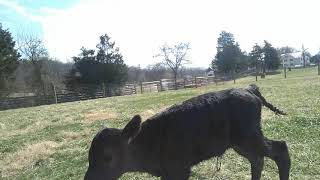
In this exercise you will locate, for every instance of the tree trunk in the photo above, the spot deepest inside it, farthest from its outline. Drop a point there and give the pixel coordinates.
(39, 84)
(233, 77)
(54, 93)
(285, 72)
(304, 60)
(104, 89)
(175, 81)
(256, 71)
(263, 75)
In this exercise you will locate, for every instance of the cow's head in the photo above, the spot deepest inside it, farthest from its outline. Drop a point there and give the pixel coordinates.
(108, 154)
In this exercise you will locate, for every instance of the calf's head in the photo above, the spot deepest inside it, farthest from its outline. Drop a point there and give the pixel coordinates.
(108, 154)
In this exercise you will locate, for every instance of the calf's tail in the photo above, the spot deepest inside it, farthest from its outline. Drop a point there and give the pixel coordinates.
(255, 90)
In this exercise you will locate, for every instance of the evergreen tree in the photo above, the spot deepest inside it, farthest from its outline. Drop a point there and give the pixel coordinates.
(271, 57)
(9, 59)
(105, 65)
(229, 58)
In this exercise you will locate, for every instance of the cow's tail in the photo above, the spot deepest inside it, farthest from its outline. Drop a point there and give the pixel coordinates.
(255, 90)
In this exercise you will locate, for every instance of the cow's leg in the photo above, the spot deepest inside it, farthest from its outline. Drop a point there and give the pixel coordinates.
(278, 151)
(256, 161)
(175, 174)
(255, 150)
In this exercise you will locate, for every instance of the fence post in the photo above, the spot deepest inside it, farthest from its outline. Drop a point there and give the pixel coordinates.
(285, 72)
(161, 85)
(135, 88)
(318, 66)
(55, 93)
(104, 89)
(141, 88)
(234, 77)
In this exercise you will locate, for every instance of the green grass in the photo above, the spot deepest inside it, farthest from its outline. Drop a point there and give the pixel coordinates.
(51, 142)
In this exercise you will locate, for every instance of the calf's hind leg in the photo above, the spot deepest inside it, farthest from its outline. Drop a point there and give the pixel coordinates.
(278, 151)
(255, 159)
(255, 152)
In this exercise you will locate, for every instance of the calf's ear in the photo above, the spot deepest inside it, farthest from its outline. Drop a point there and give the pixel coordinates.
(132, 129)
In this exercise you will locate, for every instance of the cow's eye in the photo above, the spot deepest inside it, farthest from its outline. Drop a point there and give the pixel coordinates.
(107, 158)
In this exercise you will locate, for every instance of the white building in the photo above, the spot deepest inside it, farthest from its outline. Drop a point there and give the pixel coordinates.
(293, 60)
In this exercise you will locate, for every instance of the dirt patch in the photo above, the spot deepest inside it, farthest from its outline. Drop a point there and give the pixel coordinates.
(29, 156)
(2, 126)
(69, 135)
(266, 114)
(150, 112)
(146, 114)
(95, 116)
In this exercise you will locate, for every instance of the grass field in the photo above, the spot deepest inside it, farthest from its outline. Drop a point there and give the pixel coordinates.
(51, 142)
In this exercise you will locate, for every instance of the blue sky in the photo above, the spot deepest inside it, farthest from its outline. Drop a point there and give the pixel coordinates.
(140, 27)
(13, 13)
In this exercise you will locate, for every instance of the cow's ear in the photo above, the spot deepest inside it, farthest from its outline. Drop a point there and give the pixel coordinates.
(132, 129)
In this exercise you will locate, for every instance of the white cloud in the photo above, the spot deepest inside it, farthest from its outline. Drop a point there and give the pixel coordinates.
(12, 4)
(140, 27)
(50, 11)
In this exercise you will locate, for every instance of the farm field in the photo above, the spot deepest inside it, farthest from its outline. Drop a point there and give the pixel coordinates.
(51, 142)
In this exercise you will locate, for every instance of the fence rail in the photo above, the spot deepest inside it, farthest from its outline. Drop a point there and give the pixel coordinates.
(21, 102)
(86, 92)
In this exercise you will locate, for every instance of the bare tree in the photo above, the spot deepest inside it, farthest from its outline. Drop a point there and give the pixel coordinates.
(157, 71)
(32, 49)
(135, 73)
(174, 57)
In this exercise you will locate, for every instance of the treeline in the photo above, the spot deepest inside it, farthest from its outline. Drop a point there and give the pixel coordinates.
(230, 60)
(26, 66)
(160, 71)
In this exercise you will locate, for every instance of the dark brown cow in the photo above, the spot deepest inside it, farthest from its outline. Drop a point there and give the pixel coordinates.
(168, 144)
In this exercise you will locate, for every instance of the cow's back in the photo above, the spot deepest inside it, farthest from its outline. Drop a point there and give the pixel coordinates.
(189, 132)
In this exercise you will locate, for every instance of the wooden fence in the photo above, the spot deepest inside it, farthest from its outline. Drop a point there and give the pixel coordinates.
(86, 92)
(27, 101)
(169, 84)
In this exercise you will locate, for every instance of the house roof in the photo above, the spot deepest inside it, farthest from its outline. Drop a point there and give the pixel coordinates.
(294, 55)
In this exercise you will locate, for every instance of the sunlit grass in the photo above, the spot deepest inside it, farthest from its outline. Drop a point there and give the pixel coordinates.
(57, 137)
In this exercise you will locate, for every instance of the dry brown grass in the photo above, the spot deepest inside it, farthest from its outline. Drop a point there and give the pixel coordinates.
(70, 135)
(27, 157)
(150, 112)
(147, 113)
(34, 127)
(267, 114)
(29, 129)
(102, 115)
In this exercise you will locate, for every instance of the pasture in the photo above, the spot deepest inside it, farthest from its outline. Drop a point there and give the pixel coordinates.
(51, 142)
